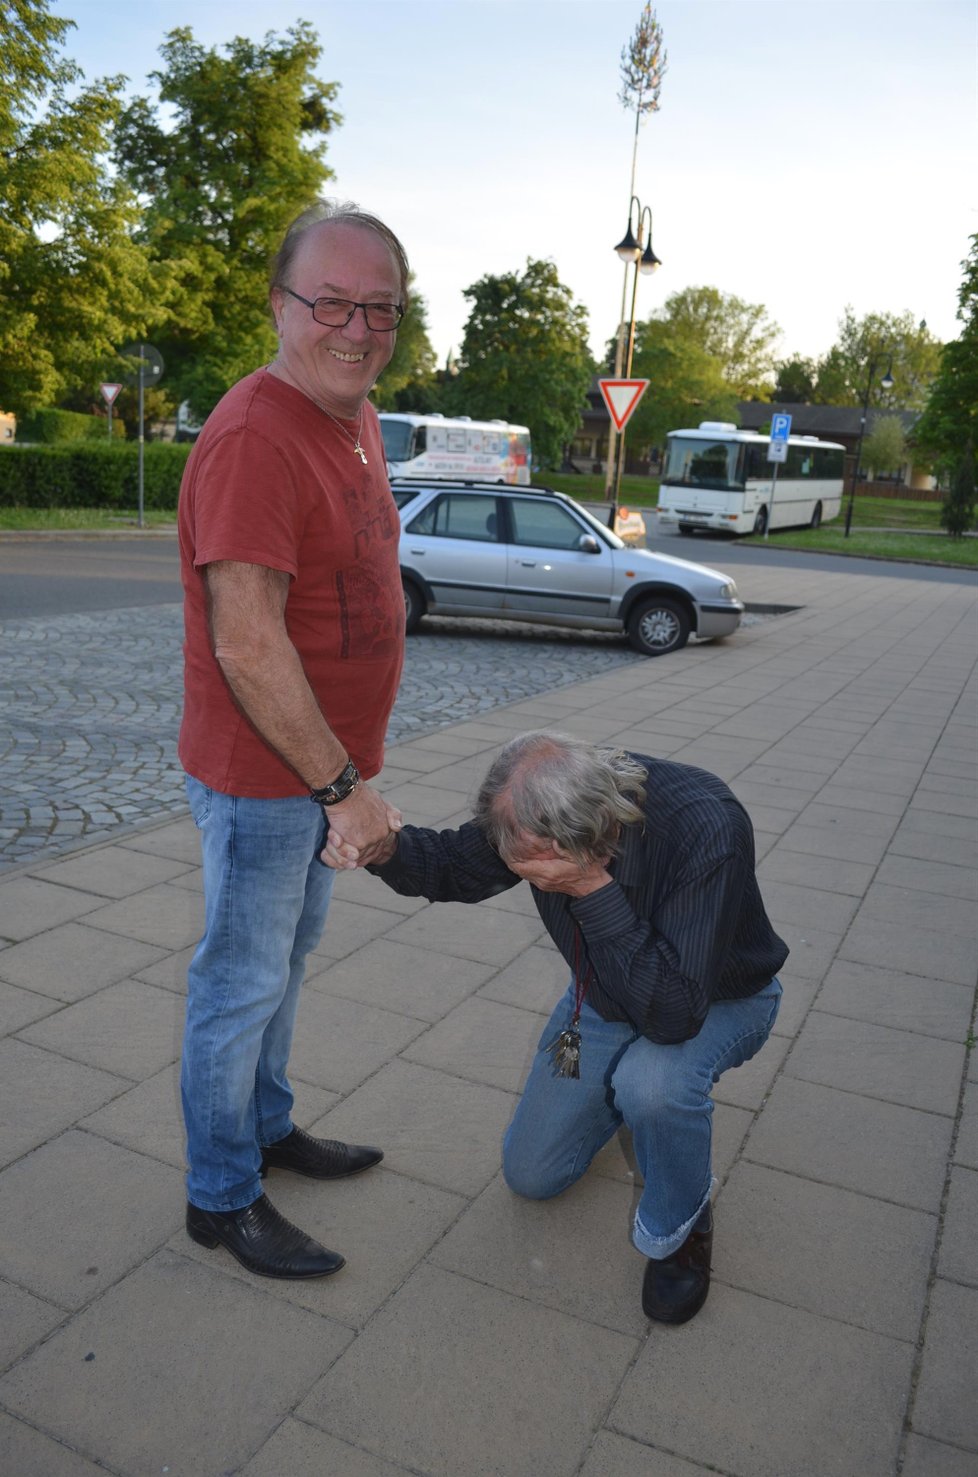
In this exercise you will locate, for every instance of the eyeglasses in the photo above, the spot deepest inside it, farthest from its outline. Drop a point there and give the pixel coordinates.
(336, 312)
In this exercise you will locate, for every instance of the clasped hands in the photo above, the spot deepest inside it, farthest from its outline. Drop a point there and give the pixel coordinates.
(362, 831)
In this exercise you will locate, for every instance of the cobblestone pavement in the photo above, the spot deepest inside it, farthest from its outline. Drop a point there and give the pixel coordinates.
(92, 709)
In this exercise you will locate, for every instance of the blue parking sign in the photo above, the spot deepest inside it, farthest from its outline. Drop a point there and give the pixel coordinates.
(780, 427)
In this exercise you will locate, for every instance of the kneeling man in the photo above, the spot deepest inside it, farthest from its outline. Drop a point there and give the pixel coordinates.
(643, 872)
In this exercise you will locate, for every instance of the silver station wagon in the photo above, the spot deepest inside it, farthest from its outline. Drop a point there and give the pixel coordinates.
(532, 554)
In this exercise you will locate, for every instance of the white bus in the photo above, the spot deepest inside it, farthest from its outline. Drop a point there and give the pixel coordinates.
(436, 446)
(719, 477)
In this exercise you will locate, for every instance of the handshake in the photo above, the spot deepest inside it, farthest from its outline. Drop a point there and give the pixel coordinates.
(362, 831)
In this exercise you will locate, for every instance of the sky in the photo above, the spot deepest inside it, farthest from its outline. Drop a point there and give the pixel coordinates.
(807, 154)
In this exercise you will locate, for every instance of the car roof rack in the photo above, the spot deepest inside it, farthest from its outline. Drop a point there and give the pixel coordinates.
(474, 482)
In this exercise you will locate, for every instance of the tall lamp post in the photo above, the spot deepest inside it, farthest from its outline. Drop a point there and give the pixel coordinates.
(886, 383)
(643, 259)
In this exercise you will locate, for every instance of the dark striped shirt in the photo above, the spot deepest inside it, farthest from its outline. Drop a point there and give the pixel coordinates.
(682, 923)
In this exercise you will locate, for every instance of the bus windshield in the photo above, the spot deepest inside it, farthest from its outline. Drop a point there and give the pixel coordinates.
(397, 440)
(697, 462)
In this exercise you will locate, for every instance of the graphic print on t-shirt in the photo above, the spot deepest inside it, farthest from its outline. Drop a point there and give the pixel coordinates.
(368, 611)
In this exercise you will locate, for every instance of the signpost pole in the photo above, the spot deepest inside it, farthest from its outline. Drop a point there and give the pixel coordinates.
(620, 397)
(142, 364)
(619, 468)
(109, 392)
(149, 366)
(774, 488)
(777, 452)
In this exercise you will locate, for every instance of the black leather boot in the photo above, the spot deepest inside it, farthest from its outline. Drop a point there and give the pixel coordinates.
(262, 1240)
(321, 1159)
(675, 1288)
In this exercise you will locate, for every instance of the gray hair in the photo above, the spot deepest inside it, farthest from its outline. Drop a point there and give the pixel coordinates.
(560, 789)
(337, 212)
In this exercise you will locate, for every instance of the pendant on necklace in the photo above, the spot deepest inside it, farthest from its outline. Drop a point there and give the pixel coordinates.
(359, 451)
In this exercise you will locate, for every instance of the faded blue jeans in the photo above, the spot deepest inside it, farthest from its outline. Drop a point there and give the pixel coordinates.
(661, 1093)
(266, 896)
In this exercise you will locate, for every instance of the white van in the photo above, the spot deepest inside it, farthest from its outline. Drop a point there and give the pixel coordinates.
(437, 446)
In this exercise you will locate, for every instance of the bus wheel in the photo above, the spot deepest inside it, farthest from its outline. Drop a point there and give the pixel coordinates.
(657, 626)
(413, 605)
(760, 522)
(816, 516)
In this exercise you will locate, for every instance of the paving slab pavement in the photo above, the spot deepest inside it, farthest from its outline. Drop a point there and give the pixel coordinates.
(472, 1333)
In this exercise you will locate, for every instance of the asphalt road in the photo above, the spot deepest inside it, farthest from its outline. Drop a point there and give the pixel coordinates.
(75, 575)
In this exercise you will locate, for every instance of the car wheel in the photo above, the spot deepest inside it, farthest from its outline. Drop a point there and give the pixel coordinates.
(760, 522)
(816, 516)
(658, 626)
(414, 606)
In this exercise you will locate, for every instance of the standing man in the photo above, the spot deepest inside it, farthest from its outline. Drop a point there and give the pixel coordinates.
(294, 622)
(643, 872)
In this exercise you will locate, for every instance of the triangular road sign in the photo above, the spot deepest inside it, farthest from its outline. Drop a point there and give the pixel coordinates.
(109, 392)
(621, 398)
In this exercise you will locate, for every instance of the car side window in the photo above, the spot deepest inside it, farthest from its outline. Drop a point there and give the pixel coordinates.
(455, 515)
(544, 525)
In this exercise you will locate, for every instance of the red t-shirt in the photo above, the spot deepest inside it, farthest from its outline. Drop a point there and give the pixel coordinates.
(273, 481)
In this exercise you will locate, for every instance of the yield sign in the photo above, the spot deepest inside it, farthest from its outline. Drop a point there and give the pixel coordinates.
(621, 398)
(109, 392)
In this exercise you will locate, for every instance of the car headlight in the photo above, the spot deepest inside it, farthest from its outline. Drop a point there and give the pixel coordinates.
(728, 591)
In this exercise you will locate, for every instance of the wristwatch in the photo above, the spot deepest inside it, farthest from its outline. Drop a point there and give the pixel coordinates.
(341, 788)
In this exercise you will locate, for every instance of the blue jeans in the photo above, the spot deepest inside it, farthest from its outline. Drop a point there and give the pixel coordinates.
(661, 1093)
(266, 896)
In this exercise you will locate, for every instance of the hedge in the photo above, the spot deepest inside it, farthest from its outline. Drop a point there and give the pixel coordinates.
(86, 475)
(55, 427)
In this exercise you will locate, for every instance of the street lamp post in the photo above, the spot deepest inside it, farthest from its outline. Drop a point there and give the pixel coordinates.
(631, 251)
(886, 383)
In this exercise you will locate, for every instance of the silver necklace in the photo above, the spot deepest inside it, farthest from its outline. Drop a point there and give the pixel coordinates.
(357, 448)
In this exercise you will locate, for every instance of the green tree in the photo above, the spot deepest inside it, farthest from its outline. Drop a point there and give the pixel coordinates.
(240, 155)
(948, 427)
(739, 335)
(73, 282)
(642, 68)
(885, 445)
(795, 380)
(686, 385)
(409, 379)
(525, 357)
(958, 508)
(879, 341)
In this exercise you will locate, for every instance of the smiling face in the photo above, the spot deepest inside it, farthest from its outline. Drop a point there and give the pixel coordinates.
(335, 366)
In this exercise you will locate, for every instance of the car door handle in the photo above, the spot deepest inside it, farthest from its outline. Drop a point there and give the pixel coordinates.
(418, 552)
(529, 563)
